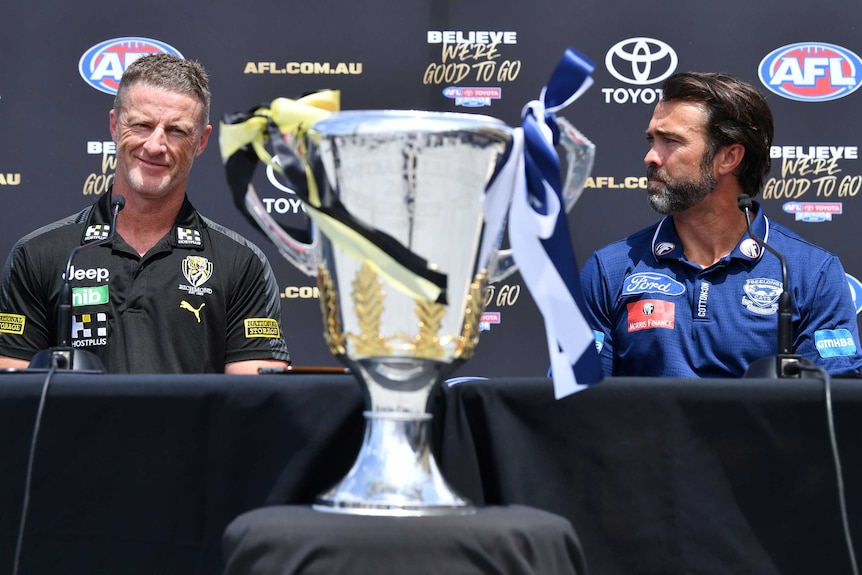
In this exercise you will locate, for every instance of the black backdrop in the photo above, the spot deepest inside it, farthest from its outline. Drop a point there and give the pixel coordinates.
(384, 54)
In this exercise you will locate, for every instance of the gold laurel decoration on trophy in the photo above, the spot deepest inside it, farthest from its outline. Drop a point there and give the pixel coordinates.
(466, 345)
(368, 297)
(329, 306)
(427, 342)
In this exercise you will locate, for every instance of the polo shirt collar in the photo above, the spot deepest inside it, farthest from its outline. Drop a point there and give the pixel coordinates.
(188, 228)
(666, 244)
(99, 220)
(186, 232)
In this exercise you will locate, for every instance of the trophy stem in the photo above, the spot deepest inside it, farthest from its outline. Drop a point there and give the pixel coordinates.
(395, 473)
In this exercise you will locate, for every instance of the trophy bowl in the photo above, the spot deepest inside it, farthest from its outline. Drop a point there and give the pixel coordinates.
(420, 179)
(408, 210)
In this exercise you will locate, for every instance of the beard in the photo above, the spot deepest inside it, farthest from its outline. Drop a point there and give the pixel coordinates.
(679, 195)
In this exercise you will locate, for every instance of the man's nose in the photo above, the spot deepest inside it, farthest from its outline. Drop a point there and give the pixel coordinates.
(652, 157)
(156, 141)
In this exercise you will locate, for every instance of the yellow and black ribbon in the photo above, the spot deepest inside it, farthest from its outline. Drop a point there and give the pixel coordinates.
(284, 125)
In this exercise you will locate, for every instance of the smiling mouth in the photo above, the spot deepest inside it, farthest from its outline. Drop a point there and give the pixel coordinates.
(151, 163)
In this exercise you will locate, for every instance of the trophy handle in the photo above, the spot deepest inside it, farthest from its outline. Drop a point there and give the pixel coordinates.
(580, 155)
(301, 254)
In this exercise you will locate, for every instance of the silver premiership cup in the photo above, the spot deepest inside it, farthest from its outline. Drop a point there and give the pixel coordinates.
(421, 178)
(431, 191)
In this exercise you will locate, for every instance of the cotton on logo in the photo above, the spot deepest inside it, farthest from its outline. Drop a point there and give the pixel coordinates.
(811, 71)
(102, 65)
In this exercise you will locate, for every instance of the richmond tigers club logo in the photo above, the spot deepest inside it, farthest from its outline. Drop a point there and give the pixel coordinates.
(197, 270)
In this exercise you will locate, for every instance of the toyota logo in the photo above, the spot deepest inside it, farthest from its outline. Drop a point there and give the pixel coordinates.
(273, 179)
(641, 61)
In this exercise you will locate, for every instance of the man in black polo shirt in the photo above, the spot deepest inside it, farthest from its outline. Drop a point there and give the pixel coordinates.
(173, 291)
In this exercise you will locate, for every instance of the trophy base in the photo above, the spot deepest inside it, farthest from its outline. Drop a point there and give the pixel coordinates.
(371, 509)
(395, 474)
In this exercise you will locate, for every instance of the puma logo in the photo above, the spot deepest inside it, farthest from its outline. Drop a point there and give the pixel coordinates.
(186, 305)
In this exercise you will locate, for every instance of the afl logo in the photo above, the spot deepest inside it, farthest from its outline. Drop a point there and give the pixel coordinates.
(641, 61)
(102, 65)
(750, 248)
(811, 71)
(663, 248)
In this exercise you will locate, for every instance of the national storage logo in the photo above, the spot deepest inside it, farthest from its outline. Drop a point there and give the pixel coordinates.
(811, 71)
(102, 65)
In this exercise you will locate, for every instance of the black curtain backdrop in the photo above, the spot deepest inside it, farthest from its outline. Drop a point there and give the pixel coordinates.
(141, 474)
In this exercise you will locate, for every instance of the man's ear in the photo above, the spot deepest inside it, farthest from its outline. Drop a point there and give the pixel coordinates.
(112, 124)
(202, 143)
(729, 158)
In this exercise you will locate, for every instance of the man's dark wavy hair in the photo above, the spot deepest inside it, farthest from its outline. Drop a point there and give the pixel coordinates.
(737, 113)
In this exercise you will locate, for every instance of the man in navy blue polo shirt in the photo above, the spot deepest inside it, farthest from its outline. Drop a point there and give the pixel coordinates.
(694, 295)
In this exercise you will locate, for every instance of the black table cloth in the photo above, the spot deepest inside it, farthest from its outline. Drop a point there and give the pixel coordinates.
(142, 474)
(292, 540)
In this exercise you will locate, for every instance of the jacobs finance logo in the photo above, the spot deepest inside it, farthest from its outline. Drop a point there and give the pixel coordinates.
(102, 65)
(811, 71)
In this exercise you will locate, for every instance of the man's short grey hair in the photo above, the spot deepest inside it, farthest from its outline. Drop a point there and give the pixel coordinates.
(171, 73)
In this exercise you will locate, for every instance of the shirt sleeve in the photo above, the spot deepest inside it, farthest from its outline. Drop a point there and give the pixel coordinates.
(24, 306)
(598, 311)
(254, 325)
(827, 330)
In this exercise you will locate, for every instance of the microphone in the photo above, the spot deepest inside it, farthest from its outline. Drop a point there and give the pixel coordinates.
(63, 355)
(778, 365)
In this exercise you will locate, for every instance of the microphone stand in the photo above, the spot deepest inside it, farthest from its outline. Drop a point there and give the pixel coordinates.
(63, 355)
(774, 366)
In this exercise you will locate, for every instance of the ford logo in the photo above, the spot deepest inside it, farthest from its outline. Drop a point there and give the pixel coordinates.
(651, 282)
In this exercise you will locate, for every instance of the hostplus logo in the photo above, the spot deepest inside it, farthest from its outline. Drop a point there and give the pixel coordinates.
(811, 71)
(103, 65)
(640, 62)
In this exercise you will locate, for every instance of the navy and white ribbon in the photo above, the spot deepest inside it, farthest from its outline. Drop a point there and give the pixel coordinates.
(539, 233)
